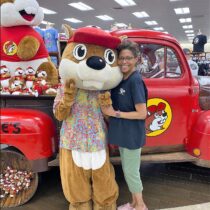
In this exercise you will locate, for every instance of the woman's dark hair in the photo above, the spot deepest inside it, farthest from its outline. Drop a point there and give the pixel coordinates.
(129, 45)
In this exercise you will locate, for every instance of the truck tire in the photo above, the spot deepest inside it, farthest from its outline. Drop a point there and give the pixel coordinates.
(13, 162)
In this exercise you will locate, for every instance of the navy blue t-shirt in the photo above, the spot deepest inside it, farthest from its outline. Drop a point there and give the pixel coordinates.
(198, 43)
(128, 133)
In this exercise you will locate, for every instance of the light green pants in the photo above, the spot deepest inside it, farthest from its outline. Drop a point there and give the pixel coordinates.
(131, 168)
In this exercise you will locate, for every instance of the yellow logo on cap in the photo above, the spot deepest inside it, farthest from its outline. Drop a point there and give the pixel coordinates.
(10, 48)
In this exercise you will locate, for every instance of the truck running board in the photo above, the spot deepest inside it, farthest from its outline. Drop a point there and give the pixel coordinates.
(162, 158)
(149, 158)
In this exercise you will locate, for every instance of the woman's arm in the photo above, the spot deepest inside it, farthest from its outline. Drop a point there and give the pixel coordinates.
(139, 114)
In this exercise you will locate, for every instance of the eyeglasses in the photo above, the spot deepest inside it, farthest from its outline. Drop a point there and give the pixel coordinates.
(128, 58)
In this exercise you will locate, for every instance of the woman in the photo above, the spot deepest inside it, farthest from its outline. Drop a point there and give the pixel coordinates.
(127, 121)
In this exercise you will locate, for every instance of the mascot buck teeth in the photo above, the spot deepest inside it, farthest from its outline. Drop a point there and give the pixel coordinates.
(88, 66)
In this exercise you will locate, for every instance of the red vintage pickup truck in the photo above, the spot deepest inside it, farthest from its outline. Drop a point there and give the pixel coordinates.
(177, 125)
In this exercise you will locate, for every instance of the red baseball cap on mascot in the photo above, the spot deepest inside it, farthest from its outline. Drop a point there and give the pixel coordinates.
(93, 35)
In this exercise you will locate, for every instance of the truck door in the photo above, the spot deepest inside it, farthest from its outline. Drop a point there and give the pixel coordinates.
(168, 80)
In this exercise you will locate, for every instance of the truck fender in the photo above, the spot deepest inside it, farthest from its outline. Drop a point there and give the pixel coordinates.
(198, 144)
(30, 131)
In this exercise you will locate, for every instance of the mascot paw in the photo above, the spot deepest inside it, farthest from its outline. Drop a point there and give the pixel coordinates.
(104, 99)
(70, 89)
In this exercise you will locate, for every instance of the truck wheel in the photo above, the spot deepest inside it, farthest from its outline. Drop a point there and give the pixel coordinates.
(18, 183)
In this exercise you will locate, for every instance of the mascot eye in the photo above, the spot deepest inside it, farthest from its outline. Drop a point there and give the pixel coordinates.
(109, 56)
(80, 51)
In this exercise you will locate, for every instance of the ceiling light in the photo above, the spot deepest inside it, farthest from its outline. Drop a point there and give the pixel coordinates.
(150, 23)
(189, 31)
(48, 11)
(187, 26)
(126, 3)
(121, 25)
(180, 11)
(105, 17)
(140, 14)
(191, 35)
(73, 20)
(158, 28)
(81, 6)
(185, 20)
(174, 0)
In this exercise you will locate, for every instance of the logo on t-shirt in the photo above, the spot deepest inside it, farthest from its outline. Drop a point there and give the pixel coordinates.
(196, 40)
(193, 66)
(121, 91)
(10, 48)
(159, 116)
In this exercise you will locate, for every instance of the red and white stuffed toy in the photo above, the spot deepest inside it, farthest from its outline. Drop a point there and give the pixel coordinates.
(5, 77)
(19, 74)
(16, 87)
(21, 45)
(42, 85)
(30, 77)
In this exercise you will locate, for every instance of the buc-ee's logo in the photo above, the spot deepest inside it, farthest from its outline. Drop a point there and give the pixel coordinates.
(159, 116)
(10, 48)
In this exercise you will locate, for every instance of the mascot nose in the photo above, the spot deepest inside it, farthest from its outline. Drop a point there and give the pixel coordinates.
(96, 62)
(164, 114)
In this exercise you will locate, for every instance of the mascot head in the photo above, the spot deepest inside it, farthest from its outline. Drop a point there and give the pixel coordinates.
(91, 59)
(20, 12)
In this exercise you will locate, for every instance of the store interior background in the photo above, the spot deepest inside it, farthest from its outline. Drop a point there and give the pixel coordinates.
(161, 11)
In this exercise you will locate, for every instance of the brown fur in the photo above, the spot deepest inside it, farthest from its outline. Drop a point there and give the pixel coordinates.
(68, 30)
(28, 48)
(63, 110)
(103, 176)
(104, 99)
(6, 1)
(52, 73)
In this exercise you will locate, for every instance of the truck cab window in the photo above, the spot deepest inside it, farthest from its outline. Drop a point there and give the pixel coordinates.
(172, 63)
(158, 61)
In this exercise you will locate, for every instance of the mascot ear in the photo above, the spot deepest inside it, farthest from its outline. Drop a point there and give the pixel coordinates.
(68, 30)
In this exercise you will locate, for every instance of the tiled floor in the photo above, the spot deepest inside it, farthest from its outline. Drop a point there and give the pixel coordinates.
(165, 186)
(172, 185)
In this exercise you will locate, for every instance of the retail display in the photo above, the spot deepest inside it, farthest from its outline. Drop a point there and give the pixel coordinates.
(50, 39)
(53, 86)
(23, 48)
(28, 123)
(198, 42)
(203, 63)
(40, 31)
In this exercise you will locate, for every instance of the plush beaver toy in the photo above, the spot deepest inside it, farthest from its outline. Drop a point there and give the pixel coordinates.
(21, 45)
(88, 66)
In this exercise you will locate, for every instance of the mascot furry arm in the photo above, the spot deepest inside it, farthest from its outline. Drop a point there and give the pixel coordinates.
(64, 107)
